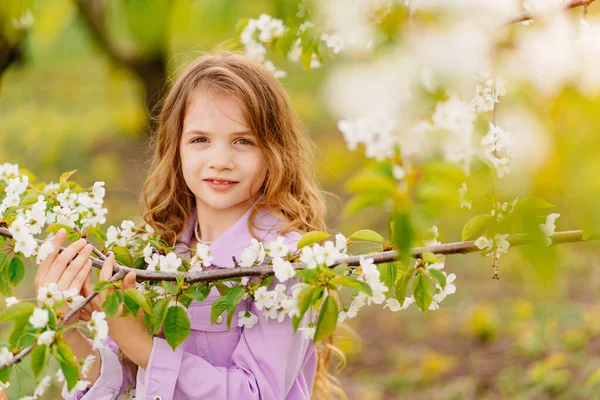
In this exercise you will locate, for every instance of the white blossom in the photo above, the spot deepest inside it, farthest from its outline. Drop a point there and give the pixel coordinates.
(462, 193)
(46, 337)
(283, 269)
(39, 318)
(334, 41)
(308, 333)
(277, 248)
(5, 355)
(170, 262)
(43, 251)
(432, 239)
(493, 247)
(98, 328)
(255, 253)
(394, 305)
(497, 148)
(263, 298)
(49, 294)
(449, 289)
(549, 227)
(376, 131)
(87, 364)
(11, 300)
(487, 92)
(341, 243)
(202, 258)
(246, 319)
(312, 256)
(42, 386)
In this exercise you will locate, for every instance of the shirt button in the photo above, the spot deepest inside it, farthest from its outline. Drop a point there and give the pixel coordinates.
(158, 398)
(219, 319)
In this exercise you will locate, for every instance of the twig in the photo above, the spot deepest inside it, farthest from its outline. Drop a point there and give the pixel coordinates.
(526, 15)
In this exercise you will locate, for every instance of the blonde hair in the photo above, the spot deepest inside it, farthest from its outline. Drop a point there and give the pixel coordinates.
(289, 191)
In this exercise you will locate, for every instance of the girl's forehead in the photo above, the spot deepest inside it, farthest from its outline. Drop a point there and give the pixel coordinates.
(209, 110)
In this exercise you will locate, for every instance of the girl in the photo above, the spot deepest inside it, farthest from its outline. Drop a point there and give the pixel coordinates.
(231, 163)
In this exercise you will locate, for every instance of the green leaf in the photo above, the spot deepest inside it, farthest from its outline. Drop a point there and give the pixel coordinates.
(352, 283)
(131, 305)
(402, 234)
(195, 295)
(176, 327)
(327, 319)
(311, 238)
(4, 279)
(111, 305)
(51, 316)
(476, 226)
(222, 288)
(123, 256)
(140, 299)
(438, 276)
(96, 234)
(402, 283)
(17, 311)
(367, 234)
(54, 228)
(64, 178)
(63, 354)
(39, 358)
(233, 298)
(100, 286)
(18, 330)
(360, 202)
(159, 312)
(218, 307)
(423, 292)
(16, 271)
(5, 374)
(307, 297)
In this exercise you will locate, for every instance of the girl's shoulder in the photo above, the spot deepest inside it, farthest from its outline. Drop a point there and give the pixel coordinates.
(267, 228)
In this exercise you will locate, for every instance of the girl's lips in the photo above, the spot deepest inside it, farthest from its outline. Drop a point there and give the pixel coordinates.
(220, 186)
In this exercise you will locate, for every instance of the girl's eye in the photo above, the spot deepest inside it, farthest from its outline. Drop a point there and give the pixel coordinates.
(244, 141)
(199, 140)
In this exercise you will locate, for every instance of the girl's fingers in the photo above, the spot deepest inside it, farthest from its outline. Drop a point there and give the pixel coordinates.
(74, 269)
(85, 316)
(107, 267)
(42, 271)
(129, 281)
(81, 276)
(62, 260)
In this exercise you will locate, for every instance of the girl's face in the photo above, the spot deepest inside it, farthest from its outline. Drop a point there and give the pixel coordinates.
(222, 163)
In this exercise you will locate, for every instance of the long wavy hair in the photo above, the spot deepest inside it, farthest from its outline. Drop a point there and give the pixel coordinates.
(290, 191)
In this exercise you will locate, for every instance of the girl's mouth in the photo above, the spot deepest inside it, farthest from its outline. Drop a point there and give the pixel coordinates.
(220, 185)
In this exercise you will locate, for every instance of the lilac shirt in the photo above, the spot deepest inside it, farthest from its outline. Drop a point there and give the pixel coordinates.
(267, 361)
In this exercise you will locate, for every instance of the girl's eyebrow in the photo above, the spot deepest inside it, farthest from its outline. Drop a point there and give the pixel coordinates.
(198, 132)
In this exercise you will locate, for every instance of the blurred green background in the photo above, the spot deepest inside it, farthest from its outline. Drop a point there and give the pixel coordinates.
(76, 97)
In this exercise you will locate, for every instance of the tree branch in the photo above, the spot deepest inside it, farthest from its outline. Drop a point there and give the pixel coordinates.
(266, 270)
(526, 16)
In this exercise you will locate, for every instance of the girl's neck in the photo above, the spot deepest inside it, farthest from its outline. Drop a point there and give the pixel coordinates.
(213, 223)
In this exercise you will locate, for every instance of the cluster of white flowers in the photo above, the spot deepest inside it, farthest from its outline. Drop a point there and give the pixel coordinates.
(500, 210)
(15, 188)
(85, 207)
(98, 328)
(334, 41)
(46, 337)
(8, 171)
(171, 261)
(253, 254)
(276, 303)
(120, 236)
(497, 148)
(51, 294)
(202, 258)
(494, 247)
(462, 197)
(324, 255)
(487, 92)
(368, 273)
(25, 226)
(455, 117)
(549, 227)
(376, 131)
(259, 32)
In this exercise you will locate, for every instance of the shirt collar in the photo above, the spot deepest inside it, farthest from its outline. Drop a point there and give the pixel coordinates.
(232, 242)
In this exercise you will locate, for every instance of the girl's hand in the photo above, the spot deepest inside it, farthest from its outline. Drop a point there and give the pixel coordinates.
(129, 332)
(68, 270)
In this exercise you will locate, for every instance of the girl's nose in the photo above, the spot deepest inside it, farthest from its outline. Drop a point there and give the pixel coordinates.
(221, 157)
